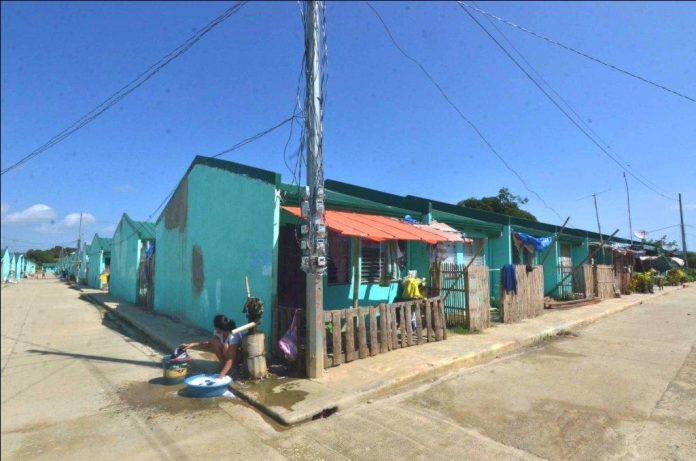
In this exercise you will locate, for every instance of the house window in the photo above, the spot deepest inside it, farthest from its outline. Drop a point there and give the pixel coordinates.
(472, 249)
(372, 261)
(565, 260)
(522, 257)
(338, 264)
(382, 262)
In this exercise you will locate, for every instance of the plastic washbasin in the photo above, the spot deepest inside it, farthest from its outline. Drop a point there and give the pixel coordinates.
(206, 385)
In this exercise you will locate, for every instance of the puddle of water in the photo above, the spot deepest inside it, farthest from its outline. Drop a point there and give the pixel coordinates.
(156, 397)
(276, 392)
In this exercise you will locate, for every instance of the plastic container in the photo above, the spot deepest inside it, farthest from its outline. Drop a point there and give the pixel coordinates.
(173, 373)
(206, 385)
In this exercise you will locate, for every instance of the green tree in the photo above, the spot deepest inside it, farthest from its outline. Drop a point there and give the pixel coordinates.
(47, 256)
(662, 243)
(505, 202)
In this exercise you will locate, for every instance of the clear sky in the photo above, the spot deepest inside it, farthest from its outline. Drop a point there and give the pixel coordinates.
(386, 126)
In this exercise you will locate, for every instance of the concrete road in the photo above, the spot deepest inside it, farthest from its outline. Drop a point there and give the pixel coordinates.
(77, 386)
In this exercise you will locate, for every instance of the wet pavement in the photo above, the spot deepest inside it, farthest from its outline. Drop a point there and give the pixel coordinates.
(79, 384)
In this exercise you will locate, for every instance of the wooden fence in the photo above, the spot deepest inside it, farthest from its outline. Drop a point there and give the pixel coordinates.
(528, 302)
(604, 281)
(586, 281)
(357, 333)
(478, 300)
(466, 294)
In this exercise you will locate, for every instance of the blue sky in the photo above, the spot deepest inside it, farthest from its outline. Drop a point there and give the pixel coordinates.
(386, 126)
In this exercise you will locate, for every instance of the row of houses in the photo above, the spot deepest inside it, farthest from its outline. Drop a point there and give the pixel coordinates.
(16, 266)
(227, 221)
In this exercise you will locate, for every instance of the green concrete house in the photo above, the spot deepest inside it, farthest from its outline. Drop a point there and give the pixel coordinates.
(220, 225)
(377, 283)
(496, 232)
(99, 260)
(227, 220)
(81, 264)
(129, 246)
(7, 260)
(50, 268)
(29, 267)
(19, 266)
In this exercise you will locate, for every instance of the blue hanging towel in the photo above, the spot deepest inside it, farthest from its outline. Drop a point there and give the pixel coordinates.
(508, 278)
(538, 243)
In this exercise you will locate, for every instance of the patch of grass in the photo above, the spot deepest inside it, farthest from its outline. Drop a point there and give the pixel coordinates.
(462, 331)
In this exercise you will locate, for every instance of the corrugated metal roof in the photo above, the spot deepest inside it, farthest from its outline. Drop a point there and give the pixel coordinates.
(340, 201)
(380, 228)
(104, 243)
(145, 230)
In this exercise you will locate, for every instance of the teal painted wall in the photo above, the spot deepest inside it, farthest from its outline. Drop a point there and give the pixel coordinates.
(551, 269)
(84, 260)
(580, 252)
(125, 263)
(6, 261)
(499, 253)
(228, 224)
(30, 267)
(97, 263)
(370, 294)
(19, 266)
(419, 258)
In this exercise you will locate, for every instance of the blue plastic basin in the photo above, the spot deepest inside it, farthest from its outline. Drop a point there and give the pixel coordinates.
(206, 385)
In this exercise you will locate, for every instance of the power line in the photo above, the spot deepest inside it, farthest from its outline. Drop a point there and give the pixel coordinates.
(255, 137)
(226, 151)
(458, 111)
(559, 107)
(591, 195)
(663, 228)
(129, 87)
(567, 104)
(573, 50)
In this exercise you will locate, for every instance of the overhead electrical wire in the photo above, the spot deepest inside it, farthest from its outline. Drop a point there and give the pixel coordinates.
(238, 145)
(459, 112)
(567, 104)
(559, 107)
(573, 50)
(129, 87)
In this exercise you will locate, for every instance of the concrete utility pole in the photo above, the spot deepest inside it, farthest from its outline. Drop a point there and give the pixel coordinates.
(314, 263)
(628, 197)
(79, 234)
(681, 217)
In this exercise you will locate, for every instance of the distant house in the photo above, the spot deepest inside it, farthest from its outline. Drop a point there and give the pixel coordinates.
(131, 272)
(29, 267)
(7, 260)
(19, 265)
(49, 267)
(81, 264)
(99, 254)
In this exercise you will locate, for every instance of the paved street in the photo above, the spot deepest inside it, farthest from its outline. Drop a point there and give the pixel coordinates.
(78, 386)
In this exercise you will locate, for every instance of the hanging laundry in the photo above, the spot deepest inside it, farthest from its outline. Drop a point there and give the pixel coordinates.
(536, 243)
(508, 278)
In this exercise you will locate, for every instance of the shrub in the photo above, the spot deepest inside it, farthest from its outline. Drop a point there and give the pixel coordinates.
(679, 276)
(641, 282)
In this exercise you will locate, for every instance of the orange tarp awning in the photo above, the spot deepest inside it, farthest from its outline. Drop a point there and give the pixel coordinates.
(380, 228)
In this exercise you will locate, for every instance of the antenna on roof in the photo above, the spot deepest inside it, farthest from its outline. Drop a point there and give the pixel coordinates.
(641, 234)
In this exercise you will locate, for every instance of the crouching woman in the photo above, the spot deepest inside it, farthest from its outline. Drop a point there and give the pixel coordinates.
(225, 345)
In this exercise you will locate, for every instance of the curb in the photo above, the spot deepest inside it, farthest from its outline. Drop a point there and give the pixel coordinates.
(151, 334)
(459, 363)
(437, 370)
